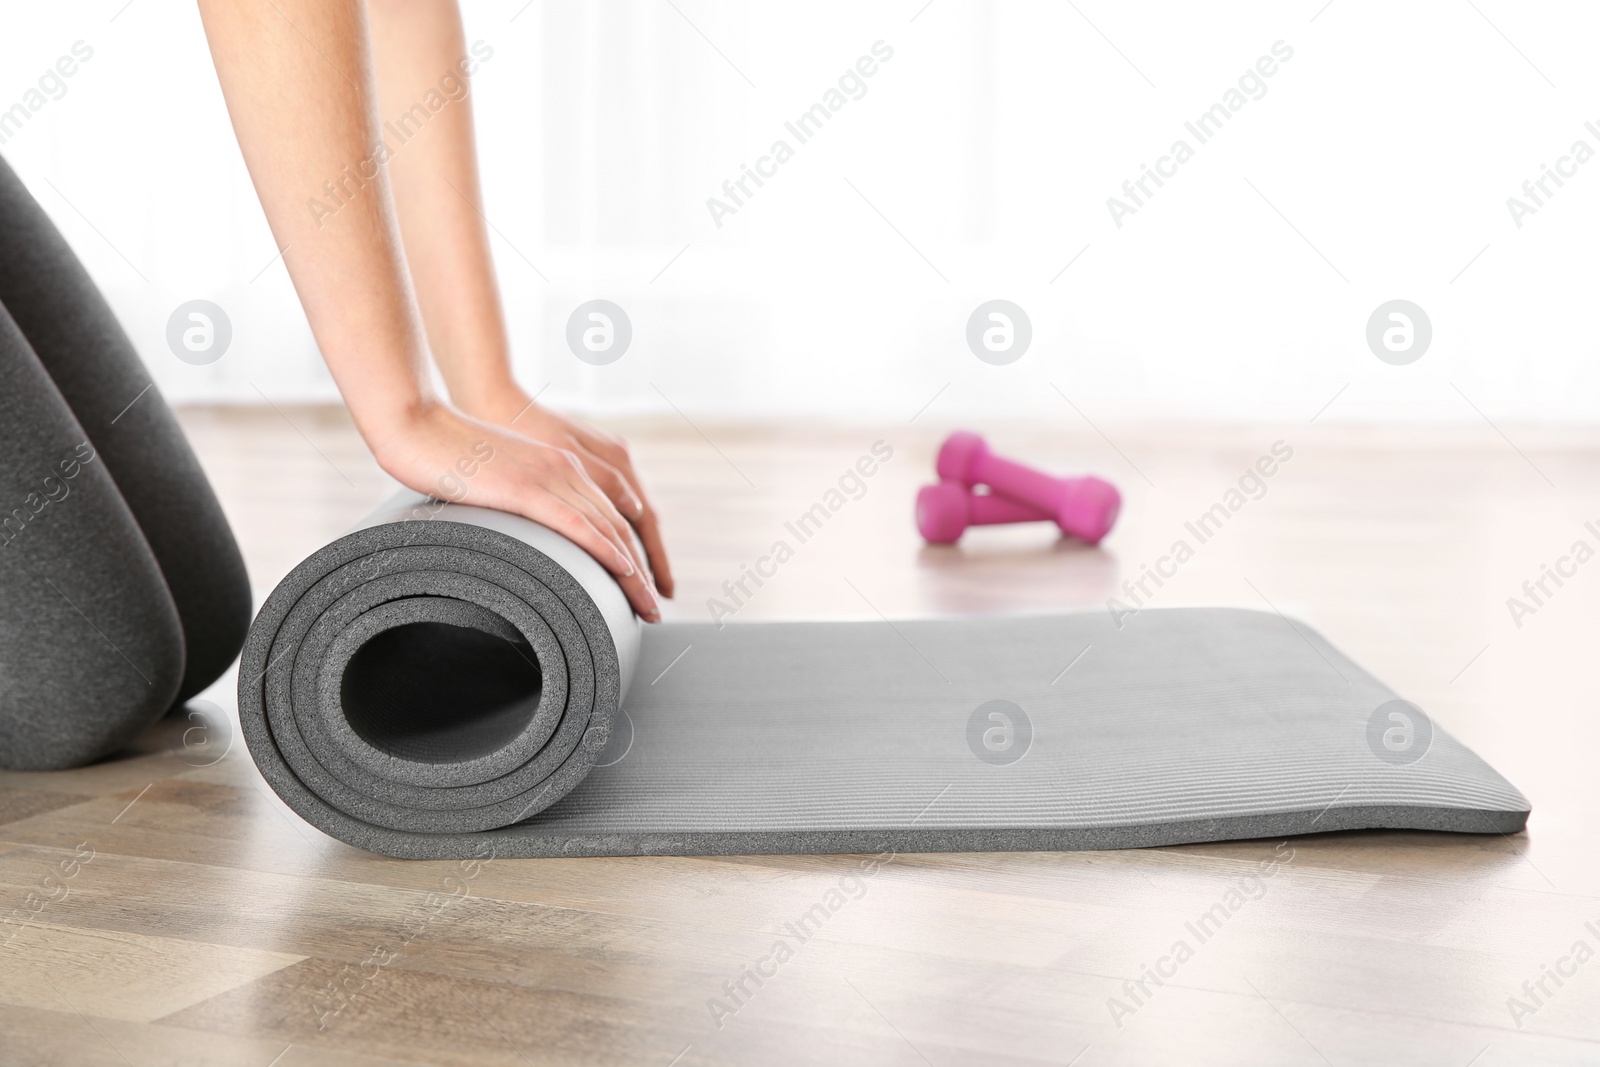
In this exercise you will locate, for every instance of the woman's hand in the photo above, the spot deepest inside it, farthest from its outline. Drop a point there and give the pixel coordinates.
(604, 457)
(431, 450)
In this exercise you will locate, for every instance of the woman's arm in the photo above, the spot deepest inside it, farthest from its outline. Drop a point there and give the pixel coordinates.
(297, 76)
(419, 45)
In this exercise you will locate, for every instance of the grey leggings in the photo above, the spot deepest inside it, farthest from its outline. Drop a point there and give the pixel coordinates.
(122, 590)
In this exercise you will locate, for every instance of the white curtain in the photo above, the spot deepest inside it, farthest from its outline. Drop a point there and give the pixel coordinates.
(976, 164)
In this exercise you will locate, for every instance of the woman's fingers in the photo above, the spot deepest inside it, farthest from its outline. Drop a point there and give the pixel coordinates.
(633, 507)
(611, 482)
(602, 502)
(655, 548)
(599, 511)
(606, 460)
(578, 522)
(582, 494)
(569, 521)
(609, 465)
(588, 518)
(559, 479)
(540, 481)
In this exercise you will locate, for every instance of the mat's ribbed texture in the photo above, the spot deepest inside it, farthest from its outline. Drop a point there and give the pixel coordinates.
(1185, 725)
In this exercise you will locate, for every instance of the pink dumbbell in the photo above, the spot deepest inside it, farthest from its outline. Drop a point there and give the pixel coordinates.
(1085, 508)
(945, 510)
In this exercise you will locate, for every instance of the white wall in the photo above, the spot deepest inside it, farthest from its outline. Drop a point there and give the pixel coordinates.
(992, 140)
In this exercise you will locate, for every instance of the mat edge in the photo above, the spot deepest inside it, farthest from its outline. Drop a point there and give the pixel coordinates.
(509, 844)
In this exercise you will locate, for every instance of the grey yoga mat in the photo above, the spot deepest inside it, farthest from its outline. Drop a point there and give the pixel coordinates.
(448, 681)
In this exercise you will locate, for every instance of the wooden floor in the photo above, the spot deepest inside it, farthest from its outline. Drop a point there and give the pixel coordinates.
(165, 908)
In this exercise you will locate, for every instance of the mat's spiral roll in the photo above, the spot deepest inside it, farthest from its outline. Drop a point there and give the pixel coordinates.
(442, 669)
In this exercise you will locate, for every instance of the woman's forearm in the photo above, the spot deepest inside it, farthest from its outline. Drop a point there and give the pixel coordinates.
(420, 47)
(298, 80)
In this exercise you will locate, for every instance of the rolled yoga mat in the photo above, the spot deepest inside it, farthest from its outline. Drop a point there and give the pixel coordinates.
(449, 680)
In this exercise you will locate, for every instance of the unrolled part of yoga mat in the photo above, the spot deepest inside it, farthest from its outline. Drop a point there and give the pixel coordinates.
(449, 681)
